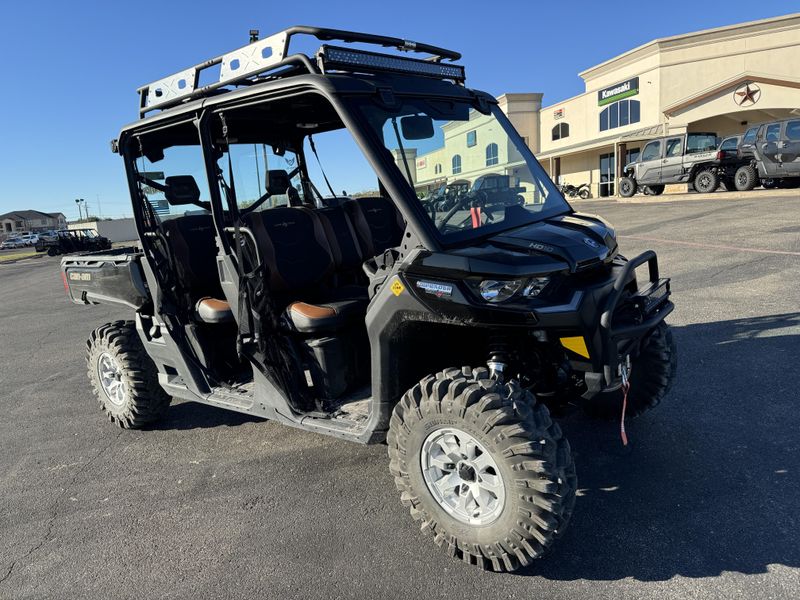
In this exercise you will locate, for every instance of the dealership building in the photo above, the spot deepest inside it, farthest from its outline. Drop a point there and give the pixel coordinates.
(719, 80)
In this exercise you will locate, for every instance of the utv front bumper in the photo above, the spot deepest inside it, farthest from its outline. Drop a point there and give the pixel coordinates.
(622, 326)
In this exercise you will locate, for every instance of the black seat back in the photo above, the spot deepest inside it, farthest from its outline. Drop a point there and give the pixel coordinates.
(292, 243)
(194, 250)
(378, 224)
(347, 251)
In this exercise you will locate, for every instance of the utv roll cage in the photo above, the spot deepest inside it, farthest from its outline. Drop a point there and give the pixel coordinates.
(269, 58)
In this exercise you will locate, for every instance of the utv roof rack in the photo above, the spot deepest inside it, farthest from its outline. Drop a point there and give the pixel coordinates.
(271, 54)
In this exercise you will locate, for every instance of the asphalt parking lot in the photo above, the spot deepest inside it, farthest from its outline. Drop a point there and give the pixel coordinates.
(705, 504)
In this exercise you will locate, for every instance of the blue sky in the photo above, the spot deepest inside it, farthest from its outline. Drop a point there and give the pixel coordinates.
(71, 68)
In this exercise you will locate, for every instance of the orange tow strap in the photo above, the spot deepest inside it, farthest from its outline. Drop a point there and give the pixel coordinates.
(625, 387)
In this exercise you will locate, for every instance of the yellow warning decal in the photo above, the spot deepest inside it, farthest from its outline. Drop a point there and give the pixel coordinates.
(576, 344)
(397, 287)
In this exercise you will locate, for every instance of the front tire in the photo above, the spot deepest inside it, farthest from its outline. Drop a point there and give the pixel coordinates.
(706, 181)
(745, 178)
(123, 376)
(627, 187)
(653, 372)
(482, 467)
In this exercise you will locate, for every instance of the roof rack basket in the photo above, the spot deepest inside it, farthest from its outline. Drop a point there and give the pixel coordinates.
(241, 66)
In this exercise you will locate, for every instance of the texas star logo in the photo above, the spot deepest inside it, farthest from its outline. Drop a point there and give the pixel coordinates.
(747, 95)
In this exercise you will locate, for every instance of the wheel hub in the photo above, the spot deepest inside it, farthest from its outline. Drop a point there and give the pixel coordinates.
(462, 476)
(110, 375)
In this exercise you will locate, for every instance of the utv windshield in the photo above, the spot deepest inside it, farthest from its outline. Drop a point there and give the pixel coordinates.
(471, 171)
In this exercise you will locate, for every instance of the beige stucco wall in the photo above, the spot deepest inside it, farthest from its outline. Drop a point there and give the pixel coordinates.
(686, 83)
(583, 114)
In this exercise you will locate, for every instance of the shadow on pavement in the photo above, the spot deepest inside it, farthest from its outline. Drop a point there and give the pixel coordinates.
(712, 481)
(192, 415)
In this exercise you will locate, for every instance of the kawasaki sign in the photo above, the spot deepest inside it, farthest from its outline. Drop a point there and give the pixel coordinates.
(618, 91)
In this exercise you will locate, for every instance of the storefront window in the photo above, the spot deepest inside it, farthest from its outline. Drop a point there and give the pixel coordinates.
(619, 114)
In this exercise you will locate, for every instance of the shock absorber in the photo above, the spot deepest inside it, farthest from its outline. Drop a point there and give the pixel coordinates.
(498, 357)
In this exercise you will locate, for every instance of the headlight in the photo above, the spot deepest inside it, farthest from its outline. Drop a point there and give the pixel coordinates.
(496, 291)
(499, 291)
(535, 286)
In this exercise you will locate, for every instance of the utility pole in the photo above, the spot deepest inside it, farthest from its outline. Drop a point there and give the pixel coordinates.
(78, 202)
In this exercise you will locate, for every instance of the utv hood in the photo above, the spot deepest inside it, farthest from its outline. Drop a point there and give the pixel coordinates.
(580, 241)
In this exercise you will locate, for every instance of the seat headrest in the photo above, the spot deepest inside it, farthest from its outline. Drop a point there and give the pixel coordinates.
(278, 181)
(181, 189)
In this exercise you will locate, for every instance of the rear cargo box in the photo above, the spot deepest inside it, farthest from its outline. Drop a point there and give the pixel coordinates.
(106, 276)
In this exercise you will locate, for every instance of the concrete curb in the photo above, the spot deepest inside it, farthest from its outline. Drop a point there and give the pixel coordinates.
(719, 195)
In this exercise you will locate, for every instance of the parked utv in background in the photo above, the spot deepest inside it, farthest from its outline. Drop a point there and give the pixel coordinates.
(450, 335)
(447, 195)
(728, 161)
(770, 156)
(497, 189)
(72, 240)
(683, 158)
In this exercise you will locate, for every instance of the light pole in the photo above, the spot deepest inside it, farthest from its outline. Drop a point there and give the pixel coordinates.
(78, 202)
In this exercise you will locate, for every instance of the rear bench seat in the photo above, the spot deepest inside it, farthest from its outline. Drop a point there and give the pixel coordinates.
(191, 242)
(314, 258)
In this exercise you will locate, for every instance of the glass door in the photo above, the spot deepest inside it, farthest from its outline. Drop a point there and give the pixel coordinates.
(607, 174)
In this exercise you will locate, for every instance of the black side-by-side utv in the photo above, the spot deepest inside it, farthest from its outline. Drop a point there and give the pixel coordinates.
(351, 314)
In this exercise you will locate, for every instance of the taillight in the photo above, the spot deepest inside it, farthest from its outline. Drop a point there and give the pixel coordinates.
(720, 154)
(64, 280)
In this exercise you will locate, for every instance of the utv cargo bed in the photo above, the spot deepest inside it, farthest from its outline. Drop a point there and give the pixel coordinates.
(106, 276)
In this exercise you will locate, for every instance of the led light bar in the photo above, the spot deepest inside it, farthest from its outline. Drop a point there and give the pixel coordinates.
(346, 59)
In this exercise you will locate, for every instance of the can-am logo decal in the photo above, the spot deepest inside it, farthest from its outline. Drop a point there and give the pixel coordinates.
(437, 289)
(591, 243)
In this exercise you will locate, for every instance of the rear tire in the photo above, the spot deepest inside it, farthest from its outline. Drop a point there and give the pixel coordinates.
(745, 178)
(124, 377)
(584, 194)
(653, 372)
(473, 432)
(706, 181)
(52, 251)
(627, 187)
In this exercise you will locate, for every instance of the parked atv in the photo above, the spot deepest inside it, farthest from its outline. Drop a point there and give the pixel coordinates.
(450, 336)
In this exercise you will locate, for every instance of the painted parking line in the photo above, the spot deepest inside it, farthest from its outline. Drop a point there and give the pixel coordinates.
(712, 246)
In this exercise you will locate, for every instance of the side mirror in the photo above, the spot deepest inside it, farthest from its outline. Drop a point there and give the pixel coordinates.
(417, 127)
